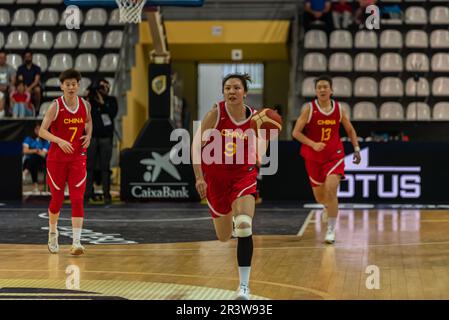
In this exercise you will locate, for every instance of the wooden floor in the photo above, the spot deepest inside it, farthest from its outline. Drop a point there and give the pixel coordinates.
(410, 248)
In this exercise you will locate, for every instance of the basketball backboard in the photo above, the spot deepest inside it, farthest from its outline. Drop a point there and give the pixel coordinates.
(112, 3)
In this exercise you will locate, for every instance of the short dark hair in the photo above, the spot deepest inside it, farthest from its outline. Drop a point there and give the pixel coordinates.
(244, 78)
(323, 78)
(26, 52)
(70, 74)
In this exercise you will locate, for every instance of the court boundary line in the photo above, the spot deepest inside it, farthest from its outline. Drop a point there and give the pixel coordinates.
(305, 224)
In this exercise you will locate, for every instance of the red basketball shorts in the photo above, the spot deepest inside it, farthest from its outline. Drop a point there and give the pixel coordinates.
(224, 186)
(318, 171)
(73, 172)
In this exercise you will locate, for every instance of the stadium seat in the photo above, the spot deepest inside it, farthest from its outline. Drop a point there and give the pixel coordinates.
(84, 84)
(340, 39)
(2, 40)
(440, 62)
(42, 40)
(114, 39)
(423, 87)
(109, 62)
(43, 109)
(340, 62)
(346, 109)
(114, 18)
(315, 62)
(439, 39)
(47, 17)
(5, 18)
(315, 39)
(391, 87)
(91, 40)
(365, 40)
(17, 40)
(52, 82)
(14, 59)
(66, 40)
(417, 39)
(62, 21)
(440, 86)
(441, 111)
(96, 17)
(61, 62)
(391, 39)
(86, 62)
(52, 1)
(308, 87)
(27, 1)
(417, 62)
(391, 62)
(41, 60)
(391, 111)
(418, 111)
(342, 87)
(365, 87)
(364, 111)
(439, 15)
(52, 88)
(365, 62)
(23, 18)
(415, 15)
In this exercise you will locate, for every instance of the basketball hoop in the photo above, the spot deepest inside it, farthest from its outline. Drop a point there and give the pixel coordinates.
(130, 10)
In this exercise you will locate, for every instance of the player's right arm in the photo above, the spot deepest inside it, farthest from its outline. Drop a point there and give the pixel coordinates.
(207, 123)
(47, 135)
(301, 137)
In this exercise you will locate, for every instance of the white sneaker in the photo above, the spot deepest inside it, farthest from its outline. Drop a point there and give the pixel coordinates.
(77, 249)
(243, 293)
(53, 245)
(330, 235)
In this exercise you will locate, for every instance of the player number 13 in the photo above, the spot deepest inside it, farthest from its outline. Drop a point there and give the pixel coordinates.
(325, 134)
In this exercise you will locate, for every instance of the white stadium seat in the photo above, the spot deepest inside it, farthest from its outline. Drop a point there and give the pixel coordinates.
(42, 40)
(440, 87)
(315, 39)
(23, 17)
(60, 62)
(14, 60)
(391, 87)
(340, 39)
(96, 17)
(114, 18)
(391, 39)
(365, 87)
(391, 62)
(346, 109)
(43, 109)
(109, 62)
(27, 1)
(41, 60)
(2, 40)
(91, 40)
(415, 15)
(365, 62)
(439, 15)
(62, 21)
(342, 87)
(308, 87)
(364, 111)
(391, 111)
(315, 61)
(5, 18)
(441, 111)
(52, 1)
(439, 39)
(417, 62)
(365, 40)
(17, 40)
(417, 39)
(340, 62)
(114, 39)
(440, 62)
(66, 40)
(423, 89)
(47, 17)
(86, 62)
(418, 111)
(84, 84)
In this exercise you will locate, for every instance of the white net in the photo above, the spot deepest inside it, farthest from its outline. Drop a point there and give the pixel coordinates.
(130, 10)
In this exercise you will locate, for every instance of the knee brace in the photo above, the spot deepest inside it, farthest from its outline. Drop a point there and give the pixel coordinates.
(57, 198)
(246, 231)
(77, 208)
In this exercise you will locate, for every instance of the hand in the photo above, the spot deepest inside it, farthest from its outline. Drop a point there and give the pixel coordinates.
(357, 158)
(65, 146)
(319, 146)
(86, 141)
(42, 153)
(201, 187)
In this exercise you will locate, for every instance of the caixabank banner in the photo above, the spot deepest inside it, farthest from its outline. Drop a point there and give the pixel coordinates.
(393, 172)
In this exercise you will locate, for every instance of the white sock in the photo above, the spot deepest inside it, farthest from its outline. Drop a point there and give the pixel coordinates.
(331, 222)
(244, 275)
(53, 228)
(76, 235)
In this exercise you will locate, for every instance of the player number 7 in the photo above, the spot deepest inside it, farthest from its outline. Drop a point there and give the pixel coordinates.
(75, 129)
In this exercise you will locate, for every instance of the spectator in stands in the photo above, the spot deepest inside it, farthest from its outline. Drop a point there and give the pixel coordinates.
(7, 82)
(30, 74)
(104, 110)
(360, 14)
(318, 10)
(342, 14)
(35, 150)
(21, 102)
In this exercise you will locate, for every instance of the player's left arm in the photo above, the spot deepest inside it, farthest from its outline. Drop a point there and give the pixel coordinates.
(88, 128)
(352, 134)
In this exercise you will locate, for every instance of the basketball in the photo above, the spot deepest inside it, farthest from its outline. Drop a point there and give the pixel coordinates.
(267, 119)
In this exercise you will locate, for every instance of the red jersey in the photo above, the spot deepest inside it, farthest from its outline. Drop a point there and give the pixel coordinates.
(324, 127)
(68, 125)
(238, 142)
